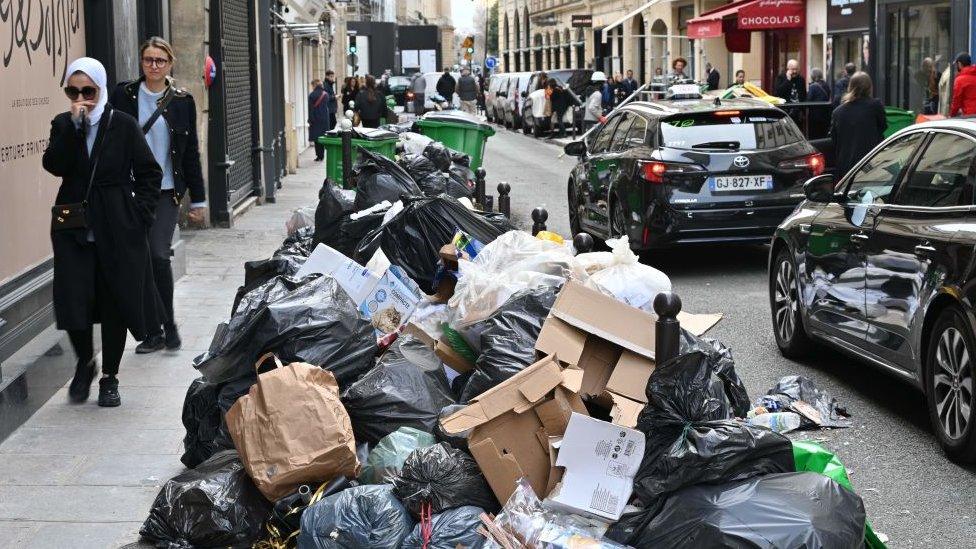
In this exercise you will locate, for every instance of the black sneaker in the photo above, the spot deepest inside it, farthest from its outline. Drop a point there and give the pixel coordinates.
(108, 392)
(81, 384)
(151, 344)
(173, 340)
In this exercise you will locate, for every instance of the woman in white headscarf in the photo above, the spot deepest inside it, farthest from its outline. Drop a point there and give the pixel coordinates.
(100, 221)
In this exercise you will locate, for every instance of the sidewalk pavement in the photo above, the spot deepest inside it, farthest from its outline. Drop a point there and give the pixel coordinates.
(81, 476)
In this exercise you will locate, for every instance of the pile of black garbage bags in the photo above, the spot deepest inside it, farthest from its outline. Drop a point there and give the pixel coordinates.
(707, 479)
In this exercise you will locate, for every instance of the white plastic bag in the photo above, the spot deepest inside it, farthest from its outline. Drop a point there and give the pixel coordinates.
(414, 143)
(627, 280)
(300, 217)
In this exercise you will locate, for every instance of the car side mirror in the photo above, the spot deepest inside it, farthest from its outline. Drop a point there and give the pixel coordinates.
(575, 148)
(820, 189)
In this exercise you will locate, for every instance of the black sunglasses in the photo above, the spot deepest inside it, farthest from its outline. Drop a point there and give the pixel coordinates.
(88, 92)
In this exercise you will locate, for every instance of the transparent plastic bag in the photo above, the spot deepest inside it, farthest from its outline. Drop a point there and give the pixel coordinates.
(627, 280)
(300, 217)
(527, 523)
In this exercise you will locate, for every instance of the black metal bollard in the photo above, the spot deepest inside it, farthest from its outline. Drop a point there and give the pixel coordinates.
(539, 217)
(505, 201)
(479, 187)
(346, 158)
(583, 243)
(667, 329)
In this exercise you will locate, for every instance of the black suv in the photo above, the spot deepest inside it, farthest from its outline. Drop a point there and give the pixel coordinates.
(674, 172)
(881, 265)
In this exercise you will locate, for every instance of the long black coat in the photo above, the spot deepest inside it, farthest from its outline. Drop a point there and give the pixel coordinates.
(120, 211)
(318, 116)
(856, 128)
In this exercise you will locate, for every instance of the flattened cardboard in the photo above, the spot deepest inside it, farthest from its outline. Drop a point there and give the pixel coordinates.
(630, 375)
(451, 358)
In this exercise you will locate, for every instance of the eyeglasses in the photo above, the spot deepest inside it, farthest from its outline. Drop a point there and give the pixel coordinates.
(88, 92)
(155, 61)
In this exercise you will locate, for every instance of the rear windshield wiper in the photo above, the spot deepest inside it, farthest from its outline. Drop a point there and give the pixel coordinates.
(729, 145)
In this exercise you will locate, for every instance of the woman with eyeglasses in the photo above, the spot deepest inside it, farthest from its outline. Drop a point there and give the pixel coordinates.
(99, 226)
(168, 117)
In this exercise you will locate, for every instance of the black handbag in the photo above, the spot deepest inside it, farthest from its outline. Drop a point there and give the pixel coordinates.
(72, 215)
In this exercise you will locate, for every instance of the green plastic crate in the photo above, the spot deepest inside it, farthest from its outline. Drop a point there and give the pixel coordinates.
(333, 153)
(462, 136)
(897, 119)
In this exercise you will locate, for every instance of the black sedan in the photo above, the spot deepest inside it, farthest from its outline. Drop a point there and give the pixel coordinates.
(881, 265)
(689, 171)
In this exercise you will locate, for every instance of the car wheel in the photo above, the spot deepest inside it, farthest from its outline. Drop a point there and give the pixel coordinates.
(618, 220)
(784, 301)
(950, 370)
(536, 130)
(575, 206)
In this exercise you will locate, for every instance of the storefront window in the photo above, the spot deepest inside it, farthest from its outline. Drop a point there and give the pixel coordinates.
(919, 51)
(685, 49)
(848, 47)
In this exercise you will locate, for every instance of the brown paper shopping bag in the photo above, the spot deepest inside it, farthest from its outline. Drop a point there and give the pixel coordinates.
(291, 429)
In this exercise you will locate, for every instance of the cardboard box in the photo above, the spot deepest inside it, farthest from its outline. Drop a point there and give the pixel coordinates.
(612, 342)
(451, 358)
(600, 460)
(355, 279)
(512, 424)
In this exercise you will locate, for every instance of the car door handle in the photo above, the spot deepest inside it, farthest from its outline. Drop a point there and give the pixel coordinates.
(858, 238)
(924, 249)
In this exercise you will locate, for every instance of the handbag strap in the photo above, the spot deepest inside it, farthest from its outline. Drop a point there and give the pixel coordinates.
(159, 110)
(97, 150)
(319, 100)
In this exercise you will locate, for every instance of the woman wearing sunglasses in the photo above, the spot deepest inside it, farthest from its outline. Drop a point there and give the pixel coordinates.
(168, 117)
(100, 222)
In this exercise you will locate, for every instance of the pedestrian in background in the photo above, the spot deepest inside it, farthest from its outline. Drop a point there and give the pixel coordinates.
(964, 88)
(593, 111)
(790, 85)
(100, 222)
(857, 125)
(678, 69)
(630, 82)
(318, 117)
(329, 86)
(818, 118)
(370, 105)
(740, 77)
(619, 89)
(467, 90)
(561, 100)
(712, 77)
(168, 116)
(350, 88)
(446, 86)
(840, 86)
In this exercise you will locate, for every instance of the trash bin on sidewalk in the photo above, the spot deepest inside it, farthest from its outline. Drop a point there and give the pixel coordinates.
(897, 119)
(379, 141)
(459, 131)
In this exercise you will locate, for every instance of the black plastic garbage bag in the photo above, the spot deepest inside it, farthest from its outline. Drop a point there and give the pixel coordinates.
(442, 477)
(508, 339)
(201, 417)
(406, 388)
(500, 221)
(352, 231)
(786, 510)
(214, 505)
(790, 389)
(439, 155)
(364, 516)
(429, 178)
(463, 180)
(286, 515)
(317, 323)
(334, 204)
(286, 261)
(690, 438)
(229, 394)
(459, 440)
(378, 178)
(415, 235)
(450, 529)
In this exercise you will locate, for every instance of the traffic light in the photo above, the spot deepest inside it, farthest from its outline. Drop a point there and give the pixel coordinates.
(352, 45)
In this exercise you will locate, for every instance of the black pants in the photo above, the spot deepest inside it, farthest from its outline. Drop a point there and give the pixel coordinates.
(319, 150)
(160, 242)
(113, 331)
(560, 123)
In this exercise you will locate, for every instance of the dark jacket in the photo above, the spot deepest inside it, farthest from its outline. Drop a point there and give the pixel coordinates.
(370, 111)
(713, 79)
(318, 113)
(181, 118)
(818, 91)
(785, 88)
(348, 94)
(562, 99)
(840, 88)
(446, 85)
(855, 129)
(121, 208)
(329, 88)
(467, 88)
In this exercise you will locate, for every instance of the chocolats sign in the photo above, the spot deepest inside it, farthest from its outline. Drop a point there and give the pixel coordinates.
(849, 14)
(772, 14)
(38, 38)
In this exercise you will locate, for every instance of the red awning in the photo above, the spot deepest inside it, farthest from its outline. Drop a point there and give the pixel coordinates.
(749, 15)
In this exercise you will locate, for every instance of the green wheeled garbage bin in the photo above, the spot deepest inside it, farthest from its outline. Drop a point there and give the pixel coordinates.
(459, 131)
(897, 119)
(379, 141)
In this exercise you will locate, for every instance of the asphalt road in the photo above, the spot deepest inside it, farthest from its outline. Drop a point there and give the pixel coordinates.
(912, 493)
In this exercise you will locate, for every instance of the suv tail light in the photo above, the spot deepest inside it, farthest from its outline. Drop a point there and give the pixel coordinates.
(410, 95)
(814, 163)
(654, 171)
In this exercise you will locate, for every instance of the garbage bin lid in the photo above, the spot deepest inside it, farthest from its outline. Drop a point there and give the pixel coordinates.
(456, 117)
(367, 134)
